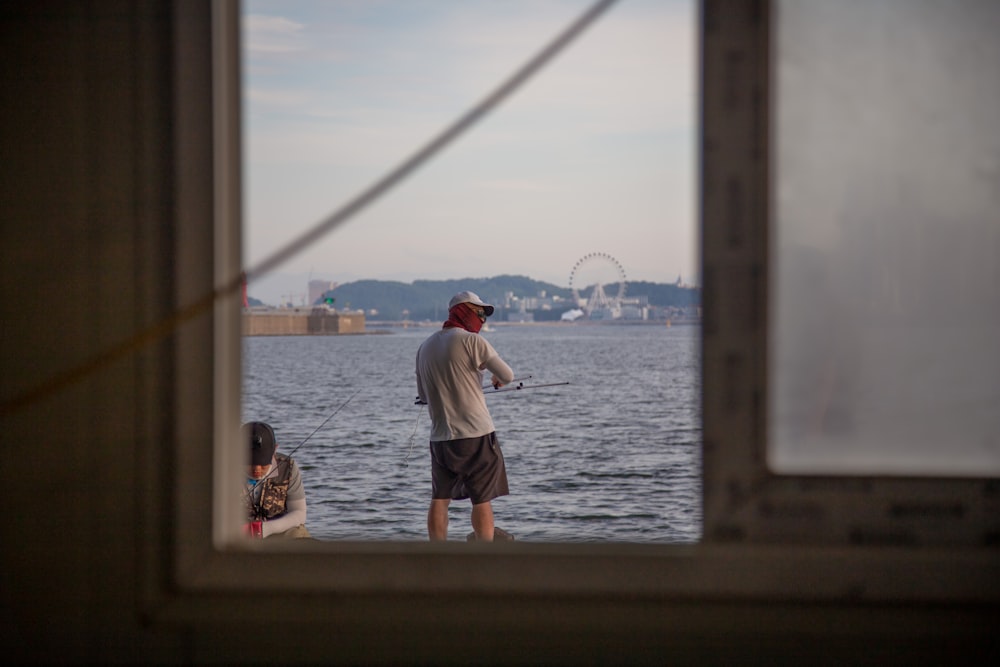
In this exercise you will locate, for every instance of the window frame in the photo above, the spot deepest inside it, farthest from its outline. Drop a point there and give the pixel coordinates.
(744, 500)
(198, 568)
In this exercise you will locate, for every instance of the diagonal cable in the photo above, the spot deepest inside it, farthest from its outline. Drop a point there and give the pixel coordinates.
(435, 145)
(230, 287)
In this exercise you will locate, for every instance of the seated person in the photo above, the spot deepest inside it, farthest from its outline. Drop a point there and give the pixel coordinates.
(275, 498)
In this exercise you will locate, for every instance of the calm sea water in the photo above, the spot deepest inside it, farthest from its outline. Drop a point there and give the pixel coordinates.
(614, 456)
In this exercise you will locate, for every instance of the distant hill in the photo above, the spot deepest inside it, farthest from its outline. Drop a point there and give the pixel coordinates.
(665, 294)
(428, 299)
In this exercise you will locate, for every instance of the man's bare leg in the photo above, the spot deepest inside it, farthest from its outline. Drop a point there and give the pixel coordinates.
(437, 519)
(482, 521)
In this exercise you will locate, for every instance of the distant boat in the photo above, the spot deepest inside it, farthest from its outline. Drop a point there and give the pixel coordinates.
(487, 327)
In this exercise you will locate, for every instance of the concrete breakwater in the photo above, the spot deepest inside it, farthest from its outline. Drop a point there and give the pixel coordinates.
(311, 321)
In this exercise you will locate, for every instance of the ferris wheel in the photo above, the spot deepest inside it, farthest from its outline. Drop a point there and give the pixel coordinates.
(597, 271)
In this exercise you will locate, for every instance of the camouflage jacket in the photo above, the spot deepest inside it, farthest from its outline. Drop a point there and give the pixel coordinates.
(268, 499)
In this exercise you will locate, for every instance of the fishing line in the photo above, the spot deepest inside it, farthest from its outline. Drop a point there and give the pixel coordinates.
(412, 436)
(251, 489)
(332, 415)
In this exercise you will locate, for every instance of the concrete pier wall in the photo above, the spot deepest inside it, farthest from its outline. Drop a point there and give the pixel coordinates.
(301, 322)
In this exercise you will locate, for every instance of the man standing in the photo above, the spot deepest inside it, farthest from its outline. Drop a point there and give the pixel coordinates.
(466, 461)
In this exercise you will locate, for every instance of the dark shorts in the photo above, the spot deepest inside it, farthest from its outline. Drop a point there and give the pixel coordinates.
(468, 468)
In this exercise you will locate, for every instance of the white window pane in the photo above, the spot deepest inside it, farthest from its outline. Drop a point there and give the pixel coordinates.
(885, 330)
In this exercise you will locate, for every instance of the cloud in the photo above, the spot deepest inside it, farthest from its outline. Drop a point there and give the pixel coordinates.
(591, 153)
(289, 98)
(271, 34)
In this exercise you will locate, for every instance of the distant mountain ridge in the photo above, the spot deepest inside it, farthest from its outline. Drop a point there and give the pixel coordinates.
(428, 299)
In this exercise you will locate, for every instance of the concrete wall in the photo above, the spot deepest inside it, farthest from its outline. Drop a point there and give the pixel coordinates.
(109, 413)
(301, 322)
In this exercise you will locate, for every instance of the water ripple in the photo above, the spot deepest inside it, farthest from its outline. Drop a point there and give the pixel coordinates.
(615, 456)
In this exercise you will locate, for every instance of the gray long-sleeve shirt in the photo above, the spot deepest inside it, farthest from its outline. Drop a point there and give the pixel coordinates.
(450, 382)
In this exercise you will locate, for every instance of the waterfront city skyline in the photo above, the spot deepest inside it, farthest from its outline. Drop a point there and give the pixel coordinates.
(594, 154)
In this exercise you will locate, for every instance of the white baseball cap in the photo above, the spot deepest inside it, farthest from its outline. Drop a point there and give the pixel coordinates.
(470, 297)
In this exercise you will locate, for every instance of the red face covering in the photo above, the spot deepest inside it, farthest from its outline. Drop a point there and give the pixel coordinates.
(463, 315)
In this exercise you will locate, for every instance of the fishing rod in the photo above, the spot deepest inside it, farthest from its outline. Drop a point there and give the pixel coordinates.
(520, 379)
(518, 387)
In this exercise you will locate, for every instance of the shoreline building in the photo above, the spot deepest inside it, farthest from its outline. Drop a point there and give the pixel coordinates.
(317, 288)
(314, 321)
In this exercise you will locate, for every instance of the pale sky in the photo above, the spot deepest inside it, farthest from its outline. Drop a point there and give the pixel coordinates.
(595, 154)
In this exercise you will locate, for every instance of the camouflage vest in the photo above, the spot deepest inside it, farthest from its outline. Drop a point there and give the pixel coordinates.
(273, 492)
